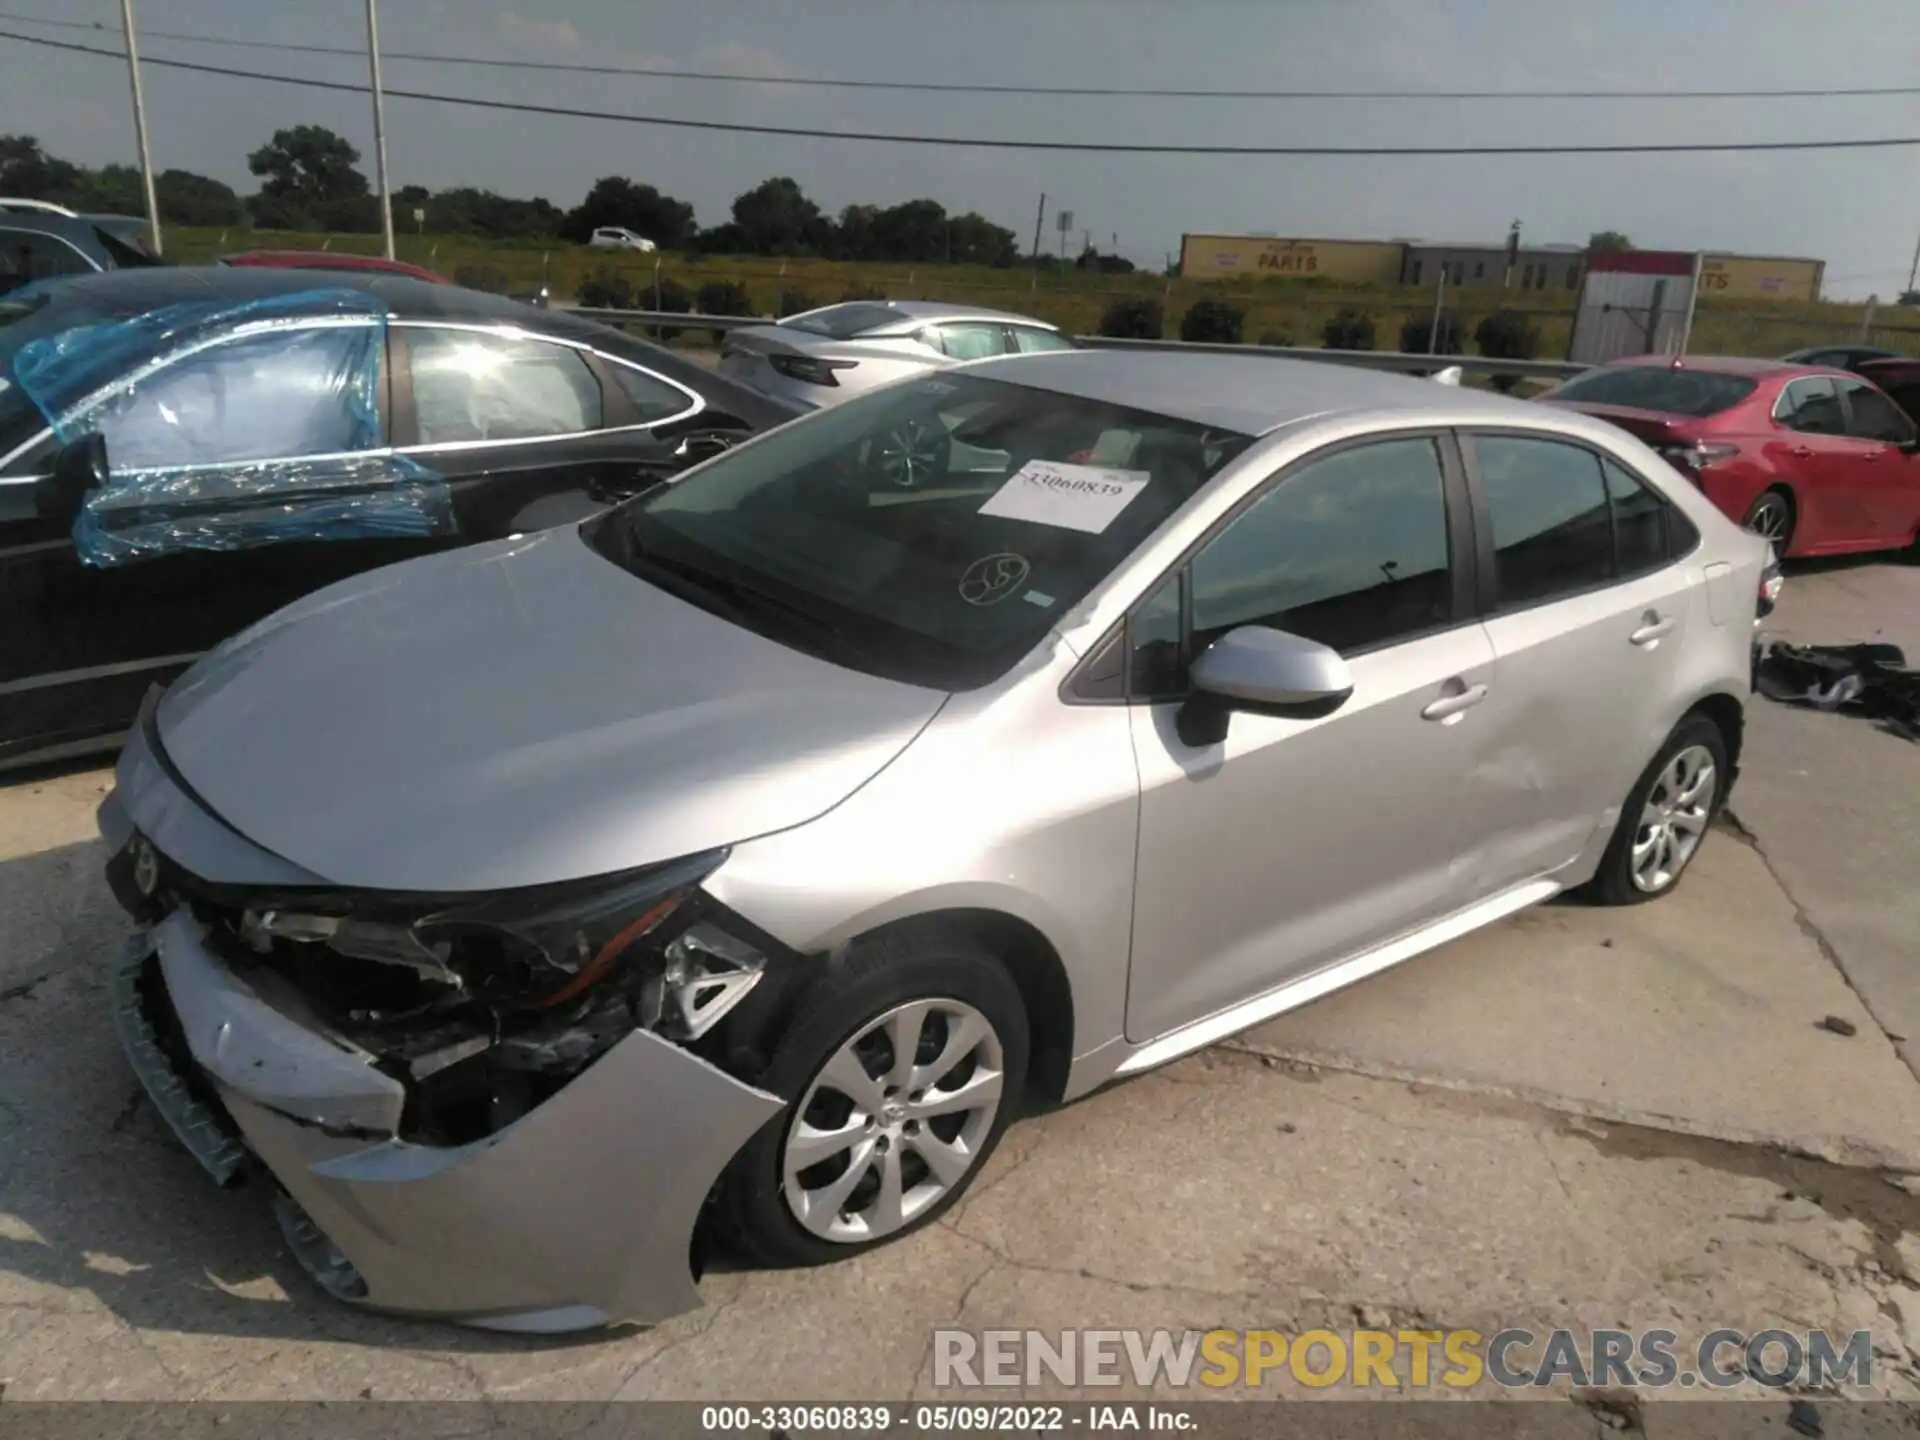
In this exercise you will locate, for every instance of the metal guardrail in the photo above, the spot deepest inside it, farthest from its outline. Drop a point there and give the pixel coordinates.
(1371, 359)
(1395, 360)
(667, 319)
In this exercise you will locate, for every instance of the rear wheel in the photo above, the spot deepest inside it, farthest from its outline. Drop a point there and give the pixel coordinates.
(1771, 518)
(1665, 818)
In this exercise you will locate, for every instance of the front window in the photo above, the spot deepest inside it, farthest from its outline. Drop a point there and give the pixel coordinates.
(931, 532)
(1872, 416)
(1658, 387)
(279, 394)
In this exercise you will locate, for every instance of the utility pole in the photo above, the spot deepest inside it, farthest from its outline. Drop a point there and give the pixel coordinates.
(1038, 216)
(379, 126)
(1439, 299)
(140, 124)
(1913, 270)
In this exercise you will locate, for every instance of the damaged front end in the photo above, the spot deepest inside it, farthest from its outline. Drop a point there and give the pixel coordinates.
(483, 1009)
(508, 1110)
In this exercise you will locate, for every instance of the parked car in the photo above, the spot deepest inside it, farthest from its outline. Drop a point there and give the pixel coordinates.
(615, 237)
(269, 431)
(740, 861)
(1819, 462)
(39, 245)
(330, 260)
(821, 357)
(1839, 357)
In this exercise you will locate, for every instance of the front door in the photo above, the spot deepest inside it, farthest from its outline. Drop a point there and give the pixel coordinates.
(1295, 842)
(1887, 475)
(217, 446)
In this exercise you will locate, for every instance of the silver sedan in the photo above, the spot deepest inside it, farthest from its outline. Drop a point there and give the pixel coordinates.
(740, 861)
(822, 357)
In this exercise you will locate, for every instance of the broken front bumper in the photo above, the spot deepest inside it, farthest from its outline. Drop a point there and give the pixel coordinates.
(580, 1213)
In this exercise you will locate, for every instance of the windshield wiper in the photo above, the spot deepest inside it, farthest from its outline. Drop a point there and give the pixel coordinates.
(743, 604)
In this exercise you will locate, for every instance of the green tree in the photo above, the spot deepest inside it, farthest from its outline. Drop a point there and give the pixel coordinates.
(777, 218)
(616, 200)
(190, 199)
(1608, 240)
(28, 173)
(308, 166)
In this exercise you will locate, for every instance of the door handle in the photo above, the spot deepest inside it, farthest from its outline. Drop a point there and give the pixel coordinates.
(1872, 457)
(1451, 707)
(1651, 631)
(1805, 452)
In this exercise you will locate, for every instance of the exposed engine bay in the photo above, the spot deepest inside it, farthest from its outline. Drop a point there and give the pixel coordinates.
(482, 1008)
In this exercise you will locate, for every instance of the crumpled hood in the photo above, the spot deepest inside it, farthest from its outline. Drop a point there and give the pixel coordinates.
(518, 713)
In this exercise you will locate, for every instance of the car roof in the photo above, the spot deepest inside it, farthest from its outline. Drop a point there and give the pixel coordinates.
(1751, 366)
(914, 310)
(128, 292)
(1251, 394)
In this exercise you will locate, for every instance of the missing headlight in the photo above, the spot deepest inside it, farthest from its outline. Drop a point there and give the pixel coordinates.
(706, 973)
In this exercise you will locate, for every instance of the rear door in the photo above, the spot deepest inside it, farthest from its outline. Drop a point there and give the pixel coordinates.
(1888, 472)
(1812, 450)
(1587, 608)
(529, 432)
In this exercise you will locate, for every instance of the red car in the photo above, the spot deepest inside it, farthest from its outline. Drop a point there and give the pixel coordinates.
(329, 260)
(1819, 461)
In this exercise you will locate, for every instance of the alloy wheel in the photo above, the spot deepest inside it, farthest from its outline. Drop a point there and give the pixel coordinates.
(1674, 819)
(910, 455)
(1771, 520)
(894, 1121)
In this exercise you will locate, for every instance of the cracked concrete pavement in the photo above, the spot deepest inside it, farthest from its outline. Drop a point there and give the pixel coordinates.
(1579, 1118)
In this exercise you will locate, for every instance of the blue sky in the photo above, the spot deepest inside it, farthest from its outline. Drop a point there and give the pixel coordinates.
(1860, 211)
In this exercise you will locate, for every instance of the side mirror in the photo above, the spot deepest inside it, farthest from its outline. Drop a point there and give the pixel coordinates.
(78, 467)
(1266, 671)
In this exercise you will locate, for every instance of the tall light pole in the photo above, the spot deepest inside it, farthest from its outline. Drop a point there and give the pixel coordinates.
(379, 125)
(140, 124)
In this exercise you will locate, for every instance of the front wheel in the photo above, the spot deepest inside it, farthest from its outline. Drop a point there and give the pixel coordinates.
(905, 1066)
(1665, 818)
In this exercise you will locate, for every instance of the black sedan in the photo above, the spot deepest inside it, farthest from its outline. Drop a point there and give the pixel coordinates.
(184, 451)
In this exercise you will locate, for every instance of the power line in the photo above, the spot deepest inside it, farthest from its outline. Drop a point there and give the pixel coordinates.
(924, 86)
(965, 142)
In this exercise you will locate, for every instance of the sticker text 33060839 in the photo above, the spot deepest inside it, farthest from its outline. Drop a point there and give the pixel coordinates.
(1087, 498)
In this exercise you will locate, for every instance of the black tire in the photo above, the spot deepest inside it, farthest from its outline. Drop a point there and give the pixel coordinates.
(910, 964)
(1774, 502)
(1613, 883)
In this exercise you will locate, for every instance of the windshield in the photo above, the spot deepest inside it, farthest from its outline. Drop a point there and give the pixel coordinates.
(1657, 387)
(843, 322)
(931, 532)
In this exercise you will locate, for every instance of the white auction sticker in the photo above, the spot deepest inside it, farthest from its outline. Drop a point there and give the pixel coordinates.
(1072, 497)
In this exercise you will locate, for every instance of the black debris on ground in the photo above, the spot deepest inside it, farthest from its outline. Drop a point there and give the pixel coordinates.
(1869, 680)
(1838, 1025)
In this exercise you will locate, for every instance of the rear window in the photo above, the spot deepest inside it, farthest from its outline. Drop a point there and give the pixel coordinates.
(843, 322)
(1655, 387)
